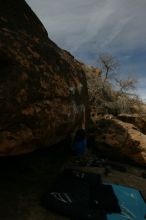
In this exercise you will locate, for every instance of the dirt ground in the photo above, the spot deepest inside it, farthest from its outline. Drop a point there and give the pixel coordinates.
(132, 177)
(25, 179)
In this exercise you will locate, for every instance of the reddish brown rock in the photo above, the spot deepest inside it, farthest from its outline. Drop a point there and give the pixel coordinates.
(91, 72)
(138, 120)
(121, 140)
(43, 92)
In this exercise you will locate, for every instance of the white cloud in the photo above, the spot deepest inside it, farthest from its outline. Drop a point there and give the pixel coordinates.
(72, 23)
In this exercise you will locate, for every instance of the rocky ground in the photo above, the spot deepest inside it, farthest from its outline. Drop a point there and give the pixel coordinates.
(26, 178)
(132, 176)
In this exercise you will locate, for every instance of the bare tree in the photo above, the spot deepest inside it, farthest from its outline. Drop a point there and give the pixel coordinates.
(102, 91)
(126, 85)
(108, 65)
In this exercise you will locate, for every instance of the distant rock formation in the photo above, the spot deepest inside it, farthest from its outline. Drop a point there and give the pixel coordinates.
(43, 91)
(121, 140)
(90, 71)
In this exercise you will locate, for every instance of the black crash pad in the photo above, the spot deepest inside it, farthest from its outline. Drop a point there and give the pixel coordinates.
(81, 196)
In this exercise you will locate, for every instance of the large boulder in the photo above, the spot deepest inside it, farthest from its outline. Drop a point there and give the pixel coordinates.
(43, 92)
(138, 120)
(95, 86)
(121, 140)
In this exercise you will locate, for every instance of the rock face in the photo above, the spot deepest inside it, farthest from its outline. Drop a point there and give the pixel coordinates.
(43, 91)
(137, 120)
(121, 139)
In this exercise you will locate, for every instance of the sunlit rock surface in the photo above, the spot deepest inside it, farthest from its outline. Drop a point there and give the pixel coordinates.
(138, 120)
(121, 140)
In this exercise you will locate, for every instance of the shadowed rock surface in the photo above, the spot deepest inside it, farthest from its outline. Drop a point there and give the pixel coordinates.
(25, 179)
(43, 89)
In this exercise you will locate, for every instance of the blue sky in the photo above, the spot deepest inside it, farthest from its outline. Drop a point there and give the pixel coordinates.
(87, 28)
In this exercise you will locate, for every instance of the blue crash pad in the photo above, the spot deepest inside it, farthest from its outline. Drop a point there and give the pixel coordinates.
(131, 202)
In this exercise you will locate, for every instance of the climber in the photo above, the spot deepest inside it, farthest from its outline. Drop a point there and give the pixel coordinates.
(79, 145)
